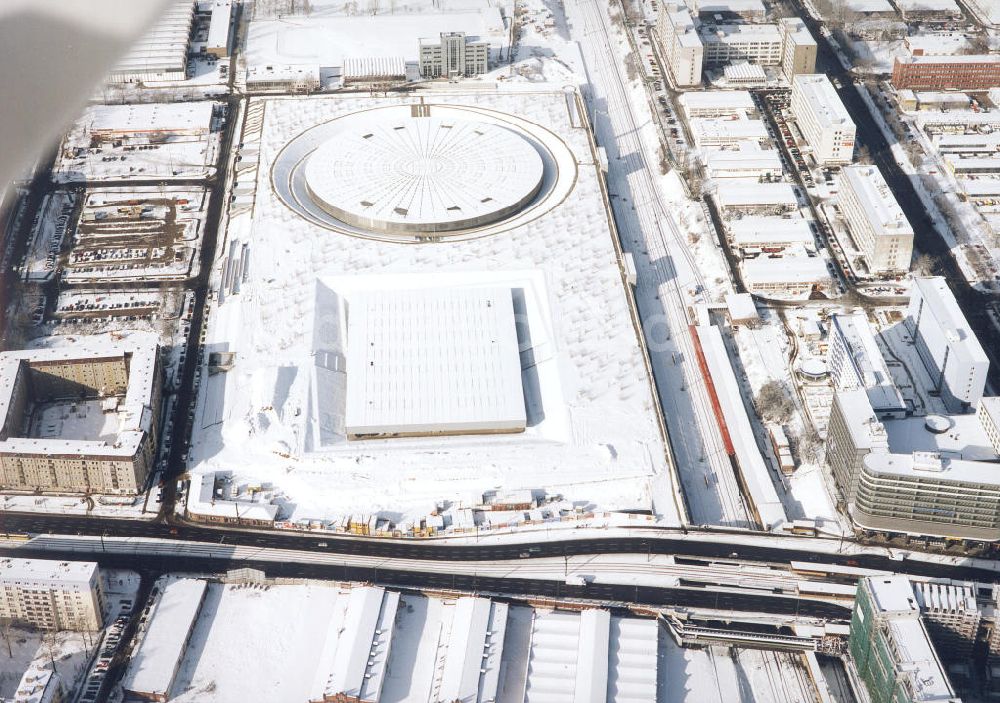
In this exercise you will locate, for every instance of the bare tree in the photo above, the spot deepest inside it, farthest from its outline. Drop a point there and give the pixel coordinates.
(773, 403)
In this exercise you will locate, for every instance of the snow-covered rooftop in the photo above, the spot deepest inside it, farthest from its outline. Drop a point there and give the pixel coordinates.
(181, 118)
(713, 130)
(218, 28)
(203, 501)
(755, 231)
(877, 201)
(869, 5)
(870, 367)
(963, 58)
(718, 161)
(964, 437)
(152, 668)
(893, 595)
(134, 412)
(592, 431)
(940, 303)
(328, 40)
(740, 33)
(929, 467)
(928, 5)
(423, 174)
(433, 362)
(361, 68)
(785, 269)
(61, 574)
(164, 47)
(763, 194)
(477, 637)
(364, 644)
(818, 91)
(736, 101)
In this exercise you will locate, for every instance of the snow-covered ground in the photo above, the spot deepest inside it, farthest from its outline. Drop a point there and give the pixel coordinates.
(274, 418)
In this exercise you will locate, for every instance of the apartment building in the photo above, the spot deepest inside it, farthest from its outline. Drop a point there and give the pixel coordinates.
(798, 54)
(890, 646)
(853, 432)
(52, 595)
(81, 418)
(989, 415)
(948, 347)
(680, 44)
(822, 119)
(453, 55)
(962, 72)
(856, 362)
(757, 43)
(951, 616)
(876, 221)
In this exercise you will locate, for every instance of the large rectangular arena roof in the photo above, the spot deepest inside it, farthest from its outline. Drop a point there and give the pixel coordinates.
(436, 361)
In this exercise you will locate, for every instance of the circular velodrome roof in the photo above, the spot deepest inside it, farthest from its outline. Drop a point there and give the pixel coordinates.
(424, 174)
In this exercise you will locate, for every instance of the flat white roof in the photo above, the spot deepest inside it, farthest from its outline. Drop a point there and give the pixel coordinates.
(766, 160)
(962, 58)
(753, 231)
(202, 501)
(592, 656)
(218, 28)
(363, 648)
(741, 306)
(477, 629)
(916, 657)
(740, 33)
(927, 467)
(785, 269)
(737, 100)
(164, 47)
(877, 201)
(864, 353)
(745, 194)
(937, 44)
(713, 128)
(150, 117)
(960, 163)
(927, 5)
(893, 595)
(941, 304)
(965, 437)
(864, 427)
(154, 664)
(433, 360)
(282, 72)
(797, 29)
(869, 5)
(751, 6)
(826, 105)
(60, 573)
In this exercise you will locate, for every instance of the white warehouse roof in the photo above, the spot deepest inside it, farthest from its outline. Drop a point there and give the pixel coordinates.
(438, 361)
(754, 231)
(472, 666)
(150, 117)
(734, 100)
(763, 194)
(729, 163)
(164, 47)
(155, 662)
(709, 130)
(785, 269)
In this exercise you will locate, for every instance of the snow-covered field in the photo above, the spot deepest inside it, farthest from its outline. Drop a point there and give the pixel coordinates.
(277, 417)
